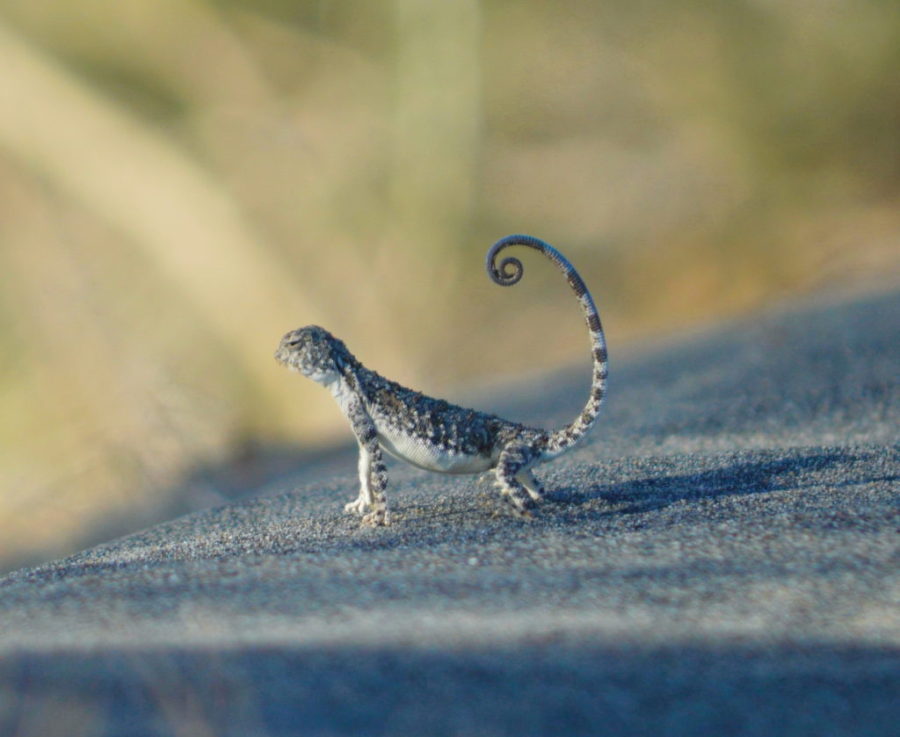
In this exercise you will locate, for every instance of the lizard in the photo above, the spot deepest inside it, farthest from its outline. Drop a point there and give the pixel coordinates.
(434, 434)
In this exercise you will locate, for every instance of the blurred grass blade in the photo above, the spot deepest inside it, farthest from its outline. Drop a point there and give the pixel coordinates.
(137, 180)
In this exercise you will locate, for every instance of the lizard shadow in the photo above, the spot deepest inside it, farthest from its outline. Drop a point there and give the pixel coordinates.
(649, 484)
(645, 485)
(658, 489)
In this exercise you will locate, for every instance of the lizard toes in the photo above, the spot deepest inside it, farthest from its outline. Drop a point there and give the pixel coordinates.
(376, 518)
(523, 512)
(357, 506)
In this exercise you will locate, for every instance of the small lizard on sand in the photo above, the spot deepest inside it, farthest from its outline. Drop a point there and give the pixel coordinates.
(431, 433)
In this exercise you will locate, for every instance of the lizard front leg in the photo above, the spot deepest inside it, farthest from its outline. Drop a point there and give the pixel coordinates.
(379, 516)
(364, 500)
(372, 471)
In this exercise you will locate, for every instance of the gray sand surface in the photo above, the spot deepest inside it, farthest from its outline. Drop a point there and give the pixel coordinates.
(721, 558)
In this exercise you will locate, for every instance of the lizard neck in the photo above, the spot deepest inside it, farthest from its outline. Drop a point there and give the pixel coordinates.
(342, 391)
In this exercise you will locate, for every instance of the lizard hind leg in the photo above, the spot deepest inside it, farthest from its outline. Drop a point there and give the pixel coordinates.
(534, 487)
(514, 478)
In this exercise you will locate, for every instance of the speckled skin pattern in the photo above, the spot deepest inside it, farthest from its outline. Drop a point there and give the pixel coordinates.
(432, 433)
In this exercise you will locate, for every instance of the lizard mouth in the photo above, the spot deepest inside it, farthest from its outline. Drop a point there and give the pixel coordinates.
(287, 357)
(291, 360)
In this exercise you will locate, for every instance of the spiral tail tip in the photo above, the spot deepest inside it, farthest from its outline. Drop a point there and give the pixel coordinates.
(510, 269)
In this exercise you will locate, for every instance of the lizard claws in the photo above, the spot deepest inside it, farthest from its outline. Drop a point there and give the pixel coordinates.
(377, 518)
(357, 506)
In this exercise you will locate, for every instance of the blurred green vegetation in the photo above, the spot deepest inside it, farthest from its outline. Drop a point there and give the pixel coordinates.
(183, 181)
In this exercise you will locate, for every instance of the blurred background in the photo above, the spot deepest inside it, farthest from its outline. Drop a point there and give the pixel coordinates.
(183, 181)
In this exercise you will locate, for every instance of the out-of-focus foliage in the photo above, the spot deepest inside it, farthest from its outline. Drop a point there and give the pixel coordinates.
(183, 181)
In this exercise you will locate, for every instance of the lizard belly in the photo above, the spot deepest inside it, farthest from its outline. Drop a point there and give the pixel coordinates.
(430, 457)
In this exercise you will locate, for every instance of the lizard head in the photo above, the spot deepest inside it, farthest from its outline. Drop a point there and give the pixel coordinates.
(315, 353)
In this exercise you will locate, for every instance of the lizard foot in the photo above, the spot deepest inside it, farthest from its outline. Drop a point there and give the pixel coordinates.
(377, 518)
(357, 506)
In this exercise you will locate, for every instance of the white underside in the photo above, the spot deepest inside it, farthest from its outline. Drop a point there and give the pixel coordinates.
(406, 448)
(431, 459)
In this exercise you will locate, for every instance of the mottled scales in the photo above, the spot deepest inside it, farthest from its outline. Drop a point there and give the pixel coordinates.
(432, 433)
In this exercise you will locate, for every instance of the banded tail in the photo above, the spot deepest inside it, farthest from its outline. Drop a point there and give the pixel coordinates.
(508, 273)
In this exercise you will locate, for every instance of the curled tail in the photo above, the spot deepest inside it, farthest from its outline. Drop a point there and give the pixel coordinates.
(508, 273)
